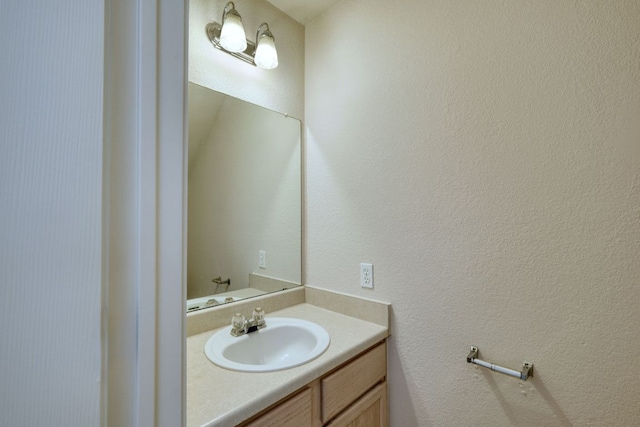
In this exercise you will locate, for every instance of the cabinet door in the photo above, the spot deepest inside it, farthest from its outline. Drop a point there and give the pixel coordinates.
(293, 412)
(369, 411)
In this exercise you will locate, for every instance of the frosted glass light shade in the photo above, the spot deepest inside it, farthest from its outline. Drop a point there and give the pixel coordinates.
(232, 36)
(266, 53)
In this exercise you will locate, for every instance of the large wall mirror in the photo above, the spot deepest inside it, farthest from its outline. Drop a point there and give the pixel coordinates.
(244, 200)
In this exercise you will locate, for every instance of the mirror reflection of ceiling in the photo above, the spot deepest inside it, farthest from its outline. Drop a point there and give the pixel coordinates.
(303, 11)
(203, 110)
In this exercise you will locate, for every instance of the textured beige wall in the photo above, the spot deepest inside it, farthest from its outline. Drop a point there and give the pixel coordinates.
(484, 156)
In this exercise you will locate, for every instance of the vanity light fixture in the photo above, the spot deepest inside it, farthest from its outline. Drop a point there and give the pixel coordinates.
(262, 53)
(232, 36)
(266, 54)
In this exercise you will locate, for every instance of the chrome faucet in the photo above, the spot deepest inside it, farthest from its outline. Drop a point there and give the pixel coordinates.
(242, 326)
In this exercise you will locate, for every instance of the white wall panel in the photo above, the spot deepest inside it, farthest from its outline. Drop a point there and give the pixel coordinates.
(51, 130)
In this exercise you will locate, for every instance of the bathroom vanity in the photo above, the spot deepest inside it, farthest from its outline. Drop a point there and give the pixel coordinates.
(343, 386)
(355, 392)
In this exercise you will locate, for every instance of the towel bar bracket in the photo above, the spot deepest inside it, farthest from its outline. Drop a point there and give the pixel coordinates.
(472, 354)
(524, 374)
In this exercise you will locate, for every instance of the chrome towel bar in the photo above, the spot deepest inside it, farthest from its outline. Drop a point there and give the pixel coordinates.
(527, 368)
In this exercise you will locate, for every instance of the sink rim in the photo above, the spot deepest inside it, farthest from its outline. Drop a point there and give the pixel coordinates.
(221, 340)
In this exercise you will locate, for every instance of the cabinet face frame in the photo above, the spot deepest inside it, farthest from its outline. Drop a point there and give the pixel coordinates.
(293, 411)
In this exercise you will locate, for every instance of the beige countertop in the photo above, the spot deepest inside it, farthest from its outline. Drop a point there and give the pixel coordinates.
(219, 397)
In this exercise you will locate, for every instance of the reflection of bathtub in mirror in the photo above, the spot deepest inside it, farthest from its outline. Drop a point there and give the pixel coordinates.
(258, 285)
(209, 301)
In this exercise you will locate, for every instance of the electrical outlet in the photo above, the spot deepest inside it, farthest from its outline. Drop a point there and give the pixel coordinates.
(262, 259)
(366, 275)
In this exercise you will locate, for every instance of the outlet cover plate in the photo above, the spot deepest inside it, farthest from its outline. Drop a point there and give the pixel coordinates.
(262, 259)
(366, 275)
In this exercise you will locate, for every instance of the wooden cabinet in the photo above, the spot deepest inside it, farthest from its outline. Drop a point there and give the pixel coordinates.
(352, 395)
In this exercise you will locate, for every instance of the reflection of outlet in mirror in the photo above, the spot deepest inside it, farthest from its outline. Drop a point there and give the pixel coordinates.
(262, 259)
(366, 275)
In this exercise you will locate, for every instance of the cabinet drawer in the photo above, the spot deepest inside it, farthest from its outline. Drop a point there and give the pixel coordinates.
(347, 384)
(293, 412)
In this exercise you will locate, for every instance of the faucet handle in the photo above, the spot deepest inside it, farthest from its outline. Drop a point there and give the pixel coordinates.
(258, 317)
(238, 322)
(258, 314)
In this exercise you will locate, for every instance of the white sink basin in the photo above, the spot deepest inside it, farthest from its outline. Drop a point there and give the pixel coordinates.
(284, 343)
